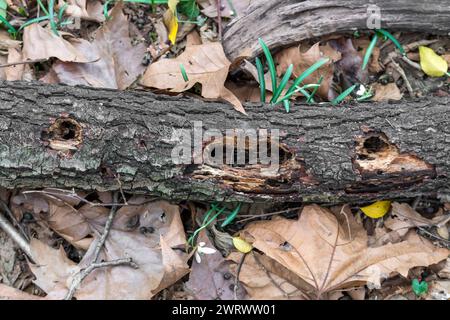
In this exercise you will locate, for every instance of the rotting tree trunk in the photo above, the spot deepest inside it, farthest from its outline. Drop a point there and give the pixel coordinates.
(84, 138)
(285, 22)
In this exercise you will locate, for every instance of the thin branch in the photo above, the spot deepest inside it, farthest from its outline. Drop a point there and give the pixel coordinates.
(403, 75)
(107, 228)
(10, 64)
(82, 274)
(23, 244)
(219, 18)
(236, 279)
(14, 220)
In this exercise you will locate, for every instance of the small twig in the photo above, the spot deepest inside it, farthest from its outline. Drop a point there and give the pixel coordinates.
(23, 244)
(121, 190)
(21, 62)
(82, 274)
(413, 64)
(403, 75)
(236, 279)
(107, 228)
(14, 220)
(219, 18)
(255, 216)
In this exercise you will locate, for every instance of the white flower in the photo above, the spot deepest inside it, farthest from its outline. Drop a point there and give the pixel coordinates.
(361, 90)
(201, 249)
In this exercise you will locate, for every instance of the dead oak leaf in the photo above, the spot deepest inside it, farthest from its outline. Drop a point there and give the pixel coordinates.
(303, 60)
(331, 253)
(40, 44)
(119, 63)
(85, 9)
(386, 92)
(205, 64)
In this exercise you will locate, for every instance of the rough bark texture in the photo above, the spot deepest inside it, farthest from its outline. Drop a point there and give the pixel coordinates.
(83, 138)
(285, 22)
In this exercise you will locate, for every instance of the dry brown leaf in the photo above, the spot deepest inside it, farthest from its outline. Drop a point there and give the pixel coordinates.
(119, 64)
(19, 71)
(40, 43)
(403, 215)
(205, 64)
(303, 60)
(85, 9)
(52, 269)
(386, 92)
(361, 45)
(211, 279)
(10, 293)
(265, 279)
(6, 42)
(331, 253)
(136, 233)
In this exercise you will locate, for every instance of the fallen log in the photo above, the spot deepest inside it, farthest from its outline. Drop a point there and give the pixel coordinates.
(286, 22)
(98, 139)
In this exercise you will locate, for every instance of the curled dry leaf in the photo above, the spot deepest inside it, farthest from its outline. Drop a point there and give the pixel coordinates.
(41, 43)
(303, 60)
(211, 279)
(205, 64)
(386, 92)
(117, 64)
(144, 231)
(330, 252)
(85, 9)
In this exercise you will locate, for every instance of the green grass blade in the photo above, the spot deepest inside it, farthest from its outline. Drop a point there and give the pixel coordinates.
(369, 51)
(283, 83)
(262, 81)
(61, 11)
(270, 63)
(298, 89)
(31, 21)
(343, 95)
(307, 72)
(183, 73)
(393, 39)
(231, 217)
(10, 27)
(310, 98)
(287, 105)
(43, 8)
(51, 16)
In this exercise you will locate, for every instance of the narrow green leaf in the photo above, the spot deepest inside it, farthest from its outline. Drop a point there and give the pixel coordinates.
(183, 73)
(286, 105)
(307, 72)
(310, 98)
(343, 95)
(3, 7)
(283, 83)
(10, 27)
(393, 39)
(261, 79)
(51, 16)
(270, 63)
(61, 11)
(31, 21)
(231, 217)
(189, 8)
(43, 8)
(369, 51)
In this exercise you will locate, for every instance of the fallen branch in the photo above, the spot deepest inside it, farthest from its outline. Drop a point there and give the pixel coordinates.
(82, 274)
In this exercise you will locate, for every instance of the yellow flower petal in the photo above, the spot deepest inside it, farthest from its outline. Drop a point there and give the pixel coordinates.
(377, 209)
(242, 245)
(431, 63)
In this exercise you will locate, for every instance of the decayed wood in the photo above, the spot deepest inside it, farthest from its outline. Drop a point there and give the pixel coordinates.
(285, 22)
(90, 139)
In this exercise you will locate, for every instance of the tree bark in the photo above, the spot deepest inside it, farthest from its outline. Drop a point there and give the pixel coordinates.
(286, 22)
(95, 139)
